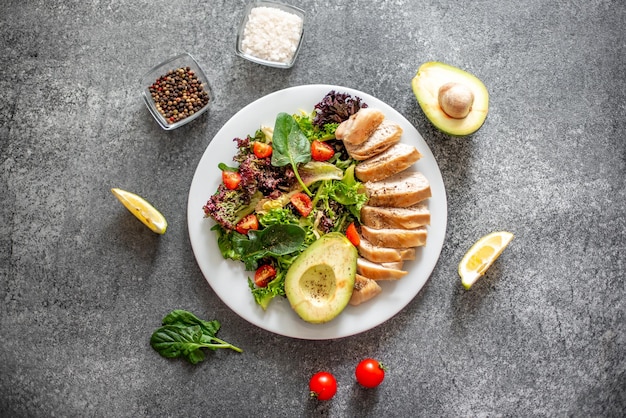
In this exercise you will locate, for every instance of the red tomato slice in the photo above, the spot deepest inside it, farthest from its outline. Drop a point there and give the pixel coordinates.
(262, 150)
(247, 223)
(353, 235)
(302, 202)
(321, 151)
(231, 179)
(264, 275)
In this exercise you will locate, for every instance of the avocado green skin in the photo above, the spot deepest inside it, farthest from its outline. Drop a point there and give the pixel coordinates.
(320, 282)
(426, 83)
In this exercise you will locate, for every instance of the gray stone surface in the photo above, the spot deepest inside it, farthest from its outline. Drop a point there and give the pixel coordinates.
(83, 284)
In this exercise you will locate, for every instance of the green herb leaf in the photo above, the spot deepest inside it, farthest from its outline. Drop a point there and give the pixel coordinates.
(275, 240)
(225, 167)
(182, 317)
(173, 341)
(225, 243)
(184, 335)
(314, 171)
(278, 216)
(290, 145)
(348, 192)
(314, 132)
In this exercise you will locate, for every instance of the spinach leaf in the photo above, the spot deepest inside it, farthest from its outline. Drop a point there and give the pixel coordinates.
(225, 167)
(173, 341)
(184, 335)
(290, 145)
(275, 240)
(182, 317)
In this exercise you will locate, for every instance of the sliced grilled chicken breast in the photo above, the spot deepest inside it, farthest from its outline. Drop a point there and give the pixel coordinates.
(360, 126)
(384, 137)
(389, 162)
(364, 290)
(383, 254)
(376, 271)
(379, 217)
(402, 190)
(395, 238)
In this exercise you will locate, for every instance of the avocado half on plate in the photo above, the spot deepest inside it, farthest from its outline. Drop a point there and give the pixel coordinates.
(320, 281)
(455, 101)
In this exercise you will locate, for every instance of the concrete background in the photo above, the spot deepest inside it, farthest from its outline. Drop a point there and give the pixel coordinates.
(83, 284)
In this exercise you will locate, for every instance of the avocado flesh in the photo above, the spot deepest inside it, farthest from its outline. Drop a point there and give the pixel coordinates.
(320, 282)
(426, 83)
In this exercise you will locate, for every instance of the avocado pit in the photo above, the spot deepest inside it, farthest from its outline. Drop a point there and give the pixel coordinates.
(456, 99)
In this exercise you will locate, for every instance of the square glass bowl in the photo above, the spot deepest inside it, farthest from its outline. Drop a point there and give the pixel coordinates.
(180, 61)
(282, 42)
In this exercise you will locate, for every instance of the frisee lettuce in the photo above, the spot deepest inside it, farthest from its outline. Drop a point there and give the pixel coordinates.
(314, 132)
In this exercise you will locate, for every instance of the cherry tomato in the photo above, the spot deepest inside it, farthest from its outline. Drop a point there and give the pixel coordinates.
(321, 151)
(302, 202)
(247, 223)
(261, 149)
(264, 275)
(323, 386)
(353, 235)
(370, 373)
(231, 179)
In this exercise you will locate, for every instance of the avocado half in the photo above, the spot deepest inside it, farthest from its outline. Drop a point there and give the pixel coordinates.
(428, 81)
(320, 281)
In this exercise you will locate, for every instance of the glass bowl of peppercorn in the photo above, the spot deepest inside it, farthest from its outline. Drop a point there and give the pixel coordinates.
(176, 91)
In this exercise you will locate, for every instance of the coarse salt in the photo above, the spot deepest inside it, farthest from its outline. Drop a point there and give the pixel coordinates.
(272, 34)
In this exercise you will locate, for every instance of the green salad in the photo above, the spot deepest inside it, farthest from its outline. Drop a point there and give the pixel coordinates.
(286, 187)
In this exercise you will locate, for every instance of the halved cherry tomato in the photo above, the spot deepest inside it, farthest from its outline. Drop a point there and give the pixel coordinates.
(247, 223)
(261, 149)
(353, 235)
(302, 203)
(231, 179)
(321, 151)
(370, 373)
(323, 386)
(264, 275)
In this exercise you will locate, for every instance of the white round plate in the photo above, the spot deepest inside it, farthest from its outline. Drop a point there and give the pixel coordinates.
(228, 278)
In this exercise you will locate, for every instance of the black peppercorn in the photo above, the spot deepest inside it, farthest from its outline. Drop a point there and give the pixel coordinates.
(178, 94)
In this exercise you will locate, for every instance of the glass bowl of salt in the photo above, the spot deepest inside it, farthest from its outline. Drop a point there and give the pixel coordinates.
(270, 33)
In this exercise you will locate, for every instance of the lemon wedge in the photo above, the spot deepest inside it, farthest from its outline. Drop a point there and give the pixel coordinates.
(143, 210)
(481, 256)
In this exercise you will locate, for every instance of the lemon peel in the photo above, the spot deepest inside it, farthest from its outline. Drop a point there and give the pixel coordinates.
(481, 256)
(143, 210)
